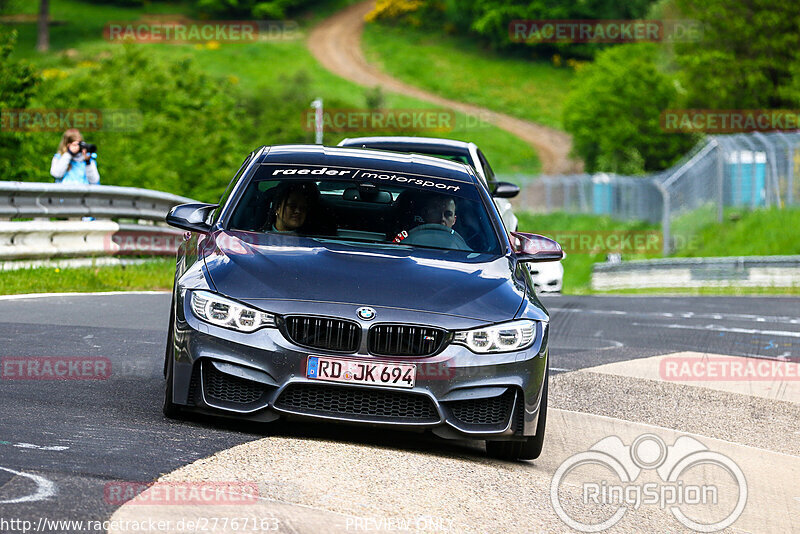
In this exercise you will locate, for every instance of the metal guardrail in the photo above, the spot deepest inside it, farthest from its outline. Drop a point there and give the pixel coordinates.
(32, 199)
(733, 271)
(42, 238)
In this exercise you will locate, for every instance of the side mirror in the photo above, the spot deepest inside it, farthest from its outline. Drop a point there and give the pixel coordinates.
(505, 190)
(535, 247)
(191, 217)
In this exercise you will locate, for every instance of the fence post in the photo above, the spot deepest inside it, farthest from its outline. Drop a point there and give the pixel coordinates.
(665, 230)
(789, 169)
(720, 178)
(772, 167)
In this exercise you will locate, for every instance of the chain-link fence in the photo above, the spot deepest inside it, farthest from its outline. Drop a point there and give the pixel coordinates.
(747, 171)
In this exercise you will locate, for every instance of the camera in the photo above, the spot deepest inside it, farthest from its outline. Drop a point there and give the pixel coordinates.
(90, 148)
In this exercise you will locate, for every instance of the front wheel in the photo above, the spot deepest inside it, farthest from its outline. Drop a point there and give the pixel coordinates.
(531, 448)
(170, 409)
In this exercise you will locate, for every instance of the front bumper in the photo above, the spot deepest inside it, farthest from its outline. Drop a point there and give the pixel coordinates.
(261, 376)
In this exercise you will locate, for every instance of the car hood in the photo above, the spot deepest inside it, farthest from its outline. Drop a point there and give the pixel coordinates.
(250, 266)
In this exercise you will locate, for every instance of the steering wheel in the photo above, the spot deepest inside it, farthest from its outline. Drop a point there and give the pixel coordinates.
(436, 235)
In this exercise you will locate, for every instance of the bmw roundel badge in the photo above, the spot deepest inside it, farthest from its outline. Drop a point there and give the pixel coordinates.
(366, 313)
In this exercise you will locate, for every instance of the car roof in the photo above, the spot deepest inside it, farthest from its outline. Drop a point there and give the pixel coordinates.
(396, 162)
(447, 147)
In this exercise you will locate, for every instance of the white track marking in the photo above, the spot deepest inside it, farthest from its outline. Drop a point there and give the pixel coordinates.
(44, 488)
(39, 447)
(688, 315)
(718, 328)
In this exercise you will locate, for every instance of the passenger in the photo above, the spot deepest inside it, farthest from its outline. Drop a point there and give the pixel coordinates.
(290, 207)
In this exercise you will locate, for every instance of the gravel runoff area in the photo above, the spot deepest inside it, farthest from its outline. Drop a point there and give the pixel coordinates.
(342, 482)
(757, 422)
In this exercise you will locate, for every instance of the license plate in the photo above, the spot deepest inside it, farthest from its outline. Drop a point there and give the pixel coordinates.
(401, 375)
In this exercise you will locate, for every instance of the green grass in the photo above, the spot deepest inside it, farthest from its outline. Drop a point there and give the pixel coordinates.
(457, 68)
(708, 291)
(254, 65)
(152, 275)
(742, 233)
(749, 233)
(565, 227)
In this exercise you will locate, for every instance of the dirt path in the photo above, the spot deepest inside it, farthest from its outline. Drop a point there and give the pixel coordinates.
(336, 43)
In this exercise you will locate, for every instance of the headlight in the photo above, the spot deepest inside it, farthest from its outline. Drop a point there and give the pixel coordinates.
(220, 311)
(515, 335)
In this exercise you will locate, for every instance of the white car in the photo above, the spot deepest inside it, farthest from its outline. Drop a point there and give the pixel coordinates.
(547, 277)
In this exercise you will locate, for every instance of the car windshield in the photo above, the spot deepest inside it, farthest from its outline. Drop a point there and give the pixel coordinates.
(378, 207)
(452, 157)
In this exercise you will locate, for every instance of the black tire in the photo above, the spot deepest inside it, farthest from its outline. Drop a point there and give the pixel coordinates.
(170, 409)
(531, 448)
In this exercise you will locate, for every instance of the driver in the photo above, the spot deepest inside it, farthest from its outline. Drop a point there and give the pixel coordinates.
(436, 209)
(439, 210)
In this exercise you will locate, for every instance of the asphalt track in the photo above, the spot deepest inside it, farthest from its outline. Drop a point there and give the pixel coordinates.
(62, 442)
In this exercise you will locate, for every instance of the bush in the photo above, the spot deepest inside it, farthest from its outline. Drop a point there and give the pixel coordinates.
(489, 19)
(18, 82)
(259, 9)
(747, 58)
(194, 131)
(613, 112)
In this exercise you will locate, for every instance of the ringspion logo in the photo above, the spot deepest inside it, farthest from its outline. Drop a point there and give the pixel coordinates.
(610, 480)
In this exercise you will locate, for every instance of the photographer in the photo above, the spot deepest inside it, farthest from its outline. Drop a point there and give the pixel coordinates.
(74, 163)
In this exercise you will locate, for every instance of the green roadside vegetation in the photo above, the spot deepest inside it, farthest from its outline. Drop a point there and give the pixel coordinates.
(764, 232)
(152, 275)
(752, 233)
(203, 106)
(708, 291)
(569, 228)
(458, 68)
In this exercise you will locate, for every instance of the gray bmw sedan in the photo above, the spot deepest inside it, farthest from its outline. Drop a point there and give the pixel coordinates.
(364, 287)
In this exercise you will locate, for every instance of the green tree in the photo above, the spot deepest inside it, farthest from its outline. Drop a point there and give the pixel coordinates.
(613, 112)
(18, 82)
(489, 19)
(746, 56)
(182, 130)
(259, 9)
